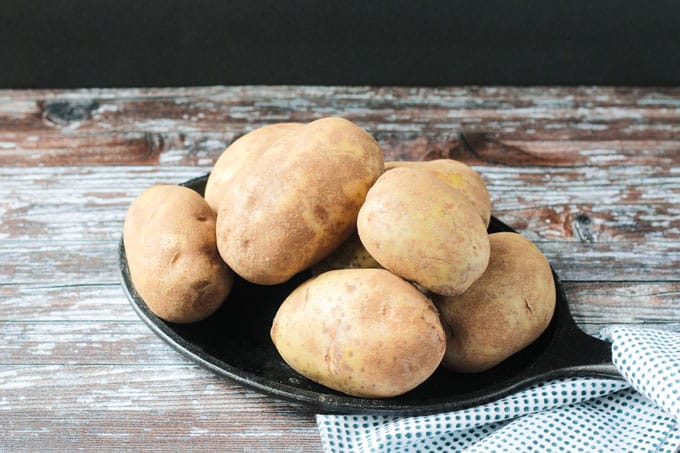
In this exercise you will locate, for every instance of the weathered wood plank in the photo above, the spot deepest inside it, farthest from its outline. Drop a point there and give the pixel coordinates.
(591, 303)
(418, 96)
(587, 221)
(59, 148)
(371, 98)
(652, 303)
(58, 127)
(46, 263)
(633, 203)
(644, 261)
(203, 148)
(127, 388)
(63, 203)
(35, 302)
(592, 222)
(499, 149)
(78, 343)
(140, 408)
(154, 431)
(149, 431)
(132, 343)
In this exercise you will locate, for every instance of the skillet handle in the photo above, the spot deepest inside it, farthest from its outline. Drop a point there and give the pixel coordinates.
(584, 355)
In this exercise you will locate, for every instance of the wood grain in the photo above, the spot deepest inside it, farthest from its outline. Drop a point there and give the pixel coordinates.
(139, 408)
(192, 126)
(590, 174)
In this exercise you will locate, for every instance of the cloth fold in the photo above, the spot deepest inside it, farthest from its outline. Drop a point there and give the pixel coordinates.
(641, 413)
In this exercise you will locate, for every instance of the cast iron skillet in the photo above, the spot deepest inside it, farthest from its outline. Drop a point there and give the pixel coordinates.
(234, 342)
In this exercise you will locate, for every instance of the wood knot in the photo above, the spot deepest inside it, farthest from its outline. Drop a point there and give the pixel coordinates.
(581, 227)
(583, 219)
(64, 113)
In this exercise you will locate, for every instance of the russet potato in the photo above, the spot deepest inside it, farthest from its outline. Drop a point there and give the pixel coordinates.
(418, 227)
(169, 237)
(245, 149)
(297, 201)
(504, 311)
(364, 332)
(459, 176)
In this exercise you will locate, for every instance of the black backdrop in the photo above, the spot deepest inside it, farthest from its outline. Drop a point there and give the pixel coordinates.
(114, 43)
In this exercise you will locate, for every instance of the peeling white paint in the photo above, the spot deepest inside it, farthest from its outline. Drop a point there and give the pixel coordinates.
(107, 108)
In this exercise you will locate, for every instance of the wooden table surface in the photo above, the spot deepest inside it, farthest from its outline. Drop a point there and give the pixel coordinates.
(590, 174)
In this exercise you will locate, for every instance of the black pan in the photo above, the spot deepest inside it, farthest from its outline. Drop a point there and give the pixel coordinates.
(234, 342)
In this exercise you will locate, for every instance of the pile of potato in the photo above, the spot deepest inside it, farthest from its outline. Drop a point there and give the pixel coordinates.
(407, 278)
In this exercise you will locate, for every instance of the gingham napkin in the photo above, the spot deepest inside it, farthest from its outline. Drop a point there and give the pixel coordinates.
(639, 414)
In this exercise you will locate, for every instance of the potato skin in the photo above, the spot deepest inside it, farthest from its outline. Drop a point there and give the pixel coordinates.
(244, 149)
(169, 237)
(364, 332)
(459, 176)
(504, 311)
(298, 201)
(418, 227)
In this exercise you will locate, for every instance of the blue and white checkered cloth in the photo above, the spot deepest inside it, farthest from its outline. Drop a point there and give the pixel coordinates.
(640, 414)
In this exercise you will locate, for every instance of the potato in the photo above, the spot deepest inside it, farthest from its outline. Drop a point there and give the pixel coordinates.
(351, 254)
(245, 149)
(169, 237)
(364, 332)
(417, 226)
(459, 176)
(297, 201)
(504, 311)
